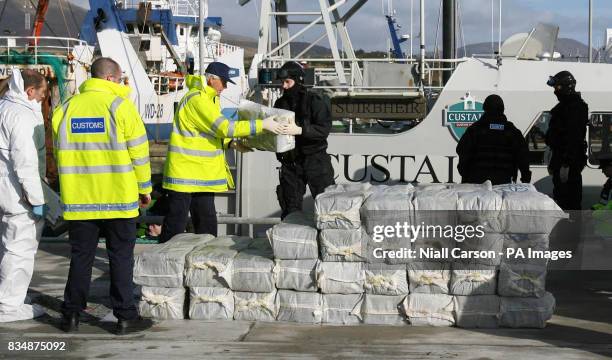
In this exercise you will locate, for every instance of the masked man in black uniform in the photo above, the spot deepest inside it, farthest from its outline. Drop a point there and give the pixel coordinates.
(566, 137)
(493, 148)
(309, 163)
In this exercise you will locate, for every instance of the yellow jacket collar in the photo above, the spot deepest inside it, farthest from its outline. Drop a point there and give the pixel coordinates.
(101, 85)
(199, 82)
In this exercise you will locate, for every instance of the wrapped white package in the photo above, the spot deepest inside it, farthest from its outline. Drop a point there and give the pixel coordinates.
(343, 245)
(526, 210)
(301, 307)
(383, 279)
(340, 277)
(162, 303)
(522, 280)
(480, 208)
(300, 218)
(519, 312)
(349, 187)
(383, 310)
(433, 249)
(293, 241)
(211, 303)
(255, 306)
(473, 279)
(209, 266)
(162, 265)
(429, 277)
(387, 206)
(233, 242)
(252, 273)
(297, 275)
(489, 242)
(267, 141)
(261, 247)
(435, 207)
(480, 311)
(339, 210)
(526, 243)
(430, 309)
(462, 188)
(342, 309)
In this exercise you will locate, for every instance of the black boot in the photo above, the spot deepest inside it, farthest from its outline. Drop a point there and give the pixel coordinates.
(133, 325)
(70, 323)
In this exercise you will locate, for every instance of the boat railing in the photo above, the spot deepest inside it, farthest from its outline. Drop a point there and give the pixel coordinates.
(433, 79)
(179, 7)
(216, 49)
(38, 46)
(166, 84)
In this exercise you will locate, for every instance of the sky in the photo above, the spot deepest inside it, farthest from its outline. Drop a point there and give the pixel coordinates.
(368, 29)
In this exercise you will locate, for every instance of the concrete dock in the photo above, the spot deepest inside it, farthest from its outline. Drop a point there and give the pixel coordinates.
(580, 329)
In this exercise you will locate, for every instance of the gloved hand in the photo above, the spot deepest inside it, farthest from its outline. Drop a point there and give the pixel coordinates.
(291, 129)
(564, 174)
(239, 146)
(270, 124)
(39, 210)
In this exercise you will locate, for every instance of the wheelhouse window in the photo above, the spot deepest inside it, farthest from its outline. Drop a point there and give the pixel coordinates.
(537, 141)
(600, 126)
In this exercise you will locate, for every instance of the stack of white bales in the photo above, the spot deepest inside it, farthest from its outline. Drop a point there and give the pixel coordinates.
(159, 270)
(231, 277)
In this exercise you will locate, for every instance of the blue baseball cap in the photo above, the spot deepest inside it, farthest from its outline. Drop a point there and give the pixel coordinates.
(221, 70)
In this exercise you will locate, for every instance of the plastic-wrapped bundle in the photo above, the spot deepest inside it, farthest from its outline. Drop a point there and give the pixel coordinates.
(489, 242)
(163, 265)
(480, 208)
(162, 303)
(342, 309)
(385, 279)
(340, 277)
(522, 280)
(293, 241)
(267, 141)
(524, 242)
(481, 311)
(255, 306)
(472, 279)
(339, 210)
(300, 218)
(519, 312)
(301, 307)
(387, 206)
(435, 207)
(232, 242)
(210, 303)
(433, 249)
(349, 187)
(343, 245)
(429, 277)
(252, 273)
(527, 211)
(382, 310)
(209, 266)
(297, 275)
(261, 247)
(463, 188)
(430, 309)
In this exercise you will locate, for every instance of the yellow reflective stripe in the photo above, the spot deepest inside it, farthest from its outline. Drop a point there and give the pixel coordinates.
(96, 169)
(142, 161)
(194, 182)
(201, 153)
(100, 207)
(230, 131)
(185, 100)
(144, 185)
(215, 125)
(139, 140)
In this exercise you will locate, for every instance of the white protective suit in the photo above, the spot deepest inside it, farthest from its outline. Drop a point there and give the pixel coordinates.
(22, 144)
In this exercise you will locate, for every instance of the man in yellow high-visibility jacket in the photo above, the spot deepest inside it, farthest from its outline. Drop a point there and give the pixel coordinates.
(102, 154)
(195, 166)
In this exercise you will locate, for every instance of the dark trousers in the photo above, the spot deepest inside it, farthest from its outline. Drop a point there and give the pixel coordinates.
(568, 195)
(120, 237)
(203, 214)
(314, 170)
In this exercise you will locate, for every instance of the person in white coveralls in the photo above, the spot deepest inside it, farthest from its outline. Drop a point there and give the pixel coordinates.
(22, 154)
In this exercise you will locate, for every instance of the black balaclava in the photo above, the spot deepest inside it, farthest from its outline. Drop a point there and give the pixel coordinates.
(494, 106)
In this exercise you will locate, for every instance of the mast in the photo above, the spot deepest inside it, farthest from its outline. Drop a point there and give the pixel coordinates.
(448, 34)
(203, 15)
